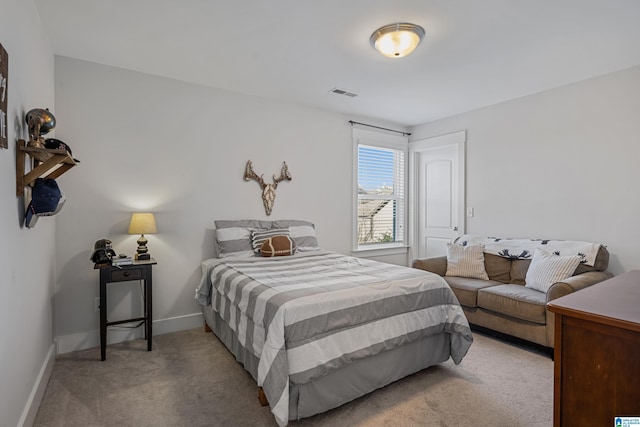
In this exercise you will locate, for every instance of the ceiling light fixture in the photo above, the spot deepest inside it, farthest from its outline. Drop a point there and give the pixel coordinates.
(397, 40)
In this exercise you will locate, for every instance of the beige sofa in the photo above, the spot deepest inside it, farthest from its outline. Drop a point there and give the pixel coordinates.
(504, 304)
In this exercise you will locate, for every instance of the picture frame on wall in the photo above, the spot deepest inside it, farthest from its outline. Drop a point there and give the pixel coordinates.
(4, 87)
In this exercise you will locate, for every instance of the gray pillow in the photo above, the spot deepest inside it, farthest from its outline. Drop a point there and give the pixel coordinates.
(233, 237)
(302, 233)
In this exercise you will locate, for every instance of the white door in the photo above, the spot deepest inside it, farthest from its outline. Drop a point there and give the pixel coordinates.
(438, 193)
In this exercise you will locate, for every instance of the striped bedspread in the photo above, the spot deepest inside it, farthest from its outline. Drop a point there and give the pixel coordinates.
(311, 313)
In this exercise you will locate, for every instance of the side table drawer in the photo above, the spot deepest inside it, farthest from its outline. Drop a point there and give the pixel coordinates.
(127, 274)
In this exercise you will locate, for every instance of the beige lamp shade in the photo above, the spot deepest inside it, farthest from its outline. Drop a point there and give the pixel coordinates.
(143, 223)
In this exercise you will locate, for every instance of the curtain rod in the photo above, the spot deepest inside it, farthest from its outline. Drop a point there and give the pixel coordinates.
(378, 127)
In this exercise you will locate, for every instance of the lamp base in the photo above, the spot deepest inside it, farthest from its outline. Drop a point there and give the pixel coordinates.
(142, 257)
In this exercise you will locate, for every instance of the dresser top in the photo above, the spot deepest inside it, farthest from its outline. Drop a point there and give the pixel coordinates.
(614, 301)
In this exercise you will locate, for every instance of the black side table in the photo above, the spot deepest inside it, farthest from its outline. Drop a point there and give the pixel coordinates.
(139, 270)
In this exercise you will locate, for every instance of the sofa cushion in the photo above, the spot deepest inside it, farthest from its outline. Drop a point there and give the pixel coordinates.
(518, 271)
(514, 300)
(547, 269)
(498, 268)
(466, 261)
(466, 290)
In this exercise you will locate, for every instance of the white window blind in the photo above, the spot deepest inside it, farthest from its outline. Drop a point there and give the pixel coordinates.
(381, 204)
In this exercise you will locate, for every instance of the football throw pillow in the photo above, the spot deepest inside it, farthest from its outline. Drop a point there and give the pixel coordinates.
(277, 246)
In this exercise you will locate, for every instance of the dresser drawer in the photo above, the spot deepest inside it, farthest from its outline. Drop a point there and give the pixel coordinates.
(126, 274)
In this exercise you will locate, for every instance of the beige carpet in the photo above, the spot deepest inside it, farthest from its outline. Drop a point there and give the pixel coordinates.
(190, 379)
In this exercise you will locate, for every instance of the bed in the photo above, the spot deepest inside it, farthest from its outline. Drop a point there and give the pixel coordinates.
(317, 329)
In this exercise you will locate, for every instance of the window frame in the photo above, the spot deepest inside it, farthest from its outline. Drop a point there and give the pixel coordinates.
(380, 140)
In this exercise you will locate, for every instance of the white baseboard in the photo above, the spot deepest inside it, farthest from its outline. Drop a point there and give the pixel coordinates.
(30, 410)
(84, 340)
(179, 323)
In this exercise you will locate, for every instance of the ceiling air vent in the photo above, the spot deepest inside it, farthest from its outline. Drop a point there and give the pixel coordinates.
(343, 92)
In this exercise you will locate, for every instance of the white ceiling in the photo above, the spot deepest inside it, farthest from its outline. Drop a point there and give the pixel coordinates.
(475, 53)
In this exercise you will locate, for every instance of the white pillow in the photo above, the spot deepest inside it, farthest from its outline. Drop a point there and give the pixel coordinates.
(546, 269)
(466, 261)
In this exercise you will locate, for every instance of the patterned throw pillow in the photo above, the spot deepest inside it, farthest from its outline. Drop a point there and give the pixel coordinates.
(277, 246)
(546, 269)
(258, 237)
(466, 261)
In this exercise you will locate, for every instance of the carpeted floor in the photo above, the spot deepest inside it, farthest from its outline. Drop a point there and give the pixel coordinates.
(190, 379)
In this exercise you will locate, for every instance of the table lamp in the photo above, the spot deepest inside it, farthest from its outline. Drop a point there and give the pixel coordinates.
(142, 223)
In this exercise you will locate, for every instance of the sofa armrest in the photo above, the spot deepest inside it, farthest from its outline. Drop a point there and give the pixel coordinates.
(436, 265)
(575, 283)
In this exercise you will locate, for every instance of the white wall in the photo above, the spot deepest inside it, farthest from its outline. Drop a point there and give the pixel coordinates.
(561, 164)
(27, 267)
(558, 164)
(180, 150)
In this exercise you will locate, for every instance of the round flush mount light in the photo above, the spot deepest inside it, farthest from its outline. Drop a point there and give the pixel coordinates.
(397, 40)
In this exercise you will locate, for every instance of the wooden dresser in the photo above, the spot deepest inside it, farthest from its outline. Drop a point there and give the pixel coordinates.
(597, 353)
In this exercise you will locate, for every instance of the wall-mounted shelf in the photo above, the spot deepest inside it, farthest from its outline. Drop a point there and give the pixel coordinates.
(48, 164)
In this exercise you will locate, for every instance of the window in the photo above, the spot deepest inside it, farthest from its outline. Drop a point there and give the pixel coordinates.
(380, 205)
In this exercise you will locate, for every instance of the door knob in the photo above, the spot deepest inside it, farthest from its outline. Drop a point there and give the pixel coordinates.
(455, 228)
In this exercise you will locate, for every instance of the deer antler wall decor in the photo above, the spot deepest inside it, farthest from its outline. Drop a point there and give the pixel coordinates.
(268, 190)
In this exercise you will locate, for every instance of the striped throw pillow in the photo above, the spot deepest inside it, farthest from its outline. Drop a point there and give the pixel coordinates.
(233, 237)
(304, 237)
(258, 237)
(466, 261)
(234, 242)
(546, 269)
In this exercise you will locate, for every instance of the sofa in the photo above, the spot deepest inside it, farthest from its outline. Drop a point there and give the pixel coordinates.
(501, 300)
